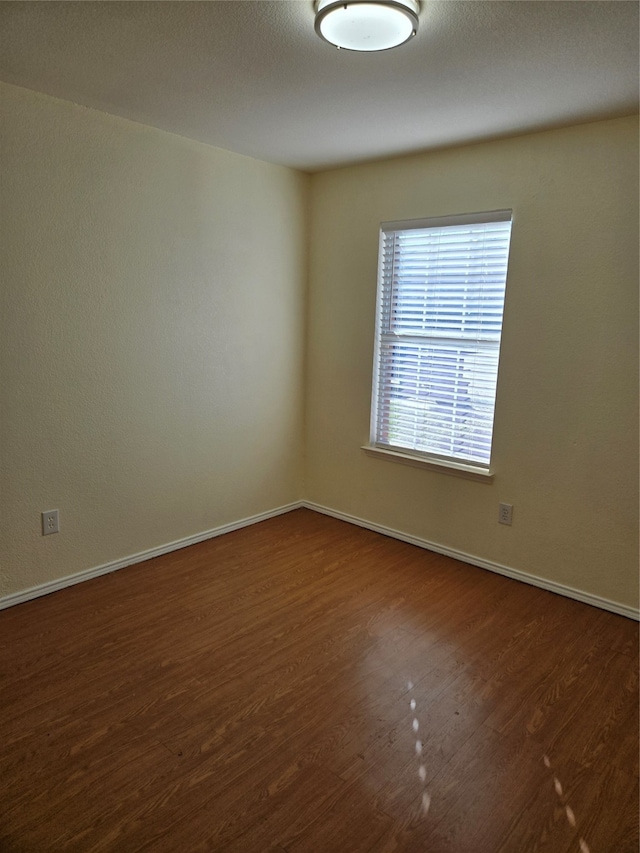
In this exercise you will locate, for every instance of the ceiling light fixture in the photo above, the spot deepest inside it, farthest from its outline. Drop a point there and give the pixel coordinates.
(366, 25)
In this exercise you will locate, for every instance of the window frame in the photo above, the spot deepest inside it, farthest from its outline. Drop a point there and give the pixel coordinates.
(465, 467)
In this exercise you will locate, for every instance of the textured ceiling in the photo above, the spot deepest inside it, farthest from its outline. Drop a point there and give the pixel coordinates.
(251, 75)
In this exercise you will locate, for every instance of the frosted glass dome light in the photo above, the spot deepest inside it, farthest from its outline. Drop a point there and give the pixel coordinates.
(366, 25)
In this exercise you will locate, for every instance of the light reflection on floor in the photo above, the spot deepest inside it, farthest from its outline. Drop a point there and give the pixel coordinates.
(422, 770)
(426, 796)
(569, 813)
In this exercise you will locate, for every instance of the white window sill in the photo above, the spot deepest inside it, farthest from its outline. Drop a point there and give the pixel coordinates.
(458, 469)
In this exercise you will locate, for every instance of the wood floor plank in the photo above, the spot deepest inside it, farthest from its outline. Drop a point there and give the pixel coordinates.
(253, 693)
(350, 821)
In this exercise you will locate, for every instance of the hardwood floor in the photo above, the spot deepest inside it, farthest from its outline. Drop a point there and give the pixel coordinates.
(254, 693)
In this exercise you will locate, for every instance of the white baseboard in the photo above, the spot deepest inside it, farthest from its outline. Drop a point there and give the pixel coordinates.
(87, 574)
(515, 574)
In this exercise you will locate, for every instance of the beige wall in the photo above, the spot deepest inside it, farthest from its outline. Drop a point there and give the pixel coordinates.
(152, 345)
(566, 429)
(152, 337)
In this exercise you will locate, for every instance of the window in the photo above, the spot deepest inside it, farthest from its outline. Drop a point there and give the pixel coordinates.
(441, 288)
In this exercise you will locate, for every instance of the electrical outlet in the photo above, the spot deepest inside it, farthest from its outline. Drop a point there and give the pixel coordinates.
(505, 513)
(50, 522)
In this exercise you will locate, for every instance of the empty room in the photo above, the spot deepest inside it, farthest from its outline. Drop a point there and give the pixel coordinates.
(319, 426)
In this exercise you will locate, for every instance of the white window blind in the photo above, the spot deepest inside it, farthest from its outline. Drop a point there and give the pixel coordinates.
(441, 288)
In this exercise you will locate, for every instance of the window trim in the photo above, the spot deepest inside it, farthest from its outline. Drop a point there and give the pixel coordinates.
(433, 463)
(469, 469)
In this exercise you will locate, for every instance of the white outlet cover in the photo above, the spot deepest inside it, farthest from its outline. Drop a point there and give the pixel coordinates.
(505, 514)
(50, 522)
